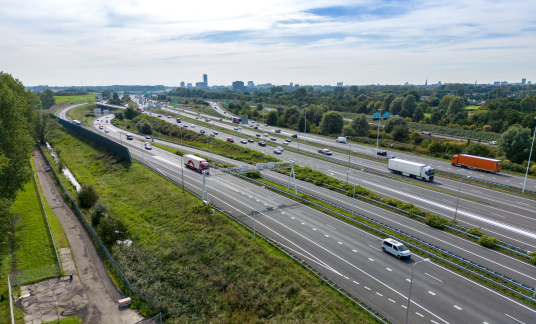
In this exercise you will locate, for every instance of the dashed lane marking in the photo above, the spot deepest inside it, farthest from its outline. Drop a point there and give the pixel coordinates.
(431, 293)
(326, 235)
(431, 277)
(515, 319)
(357, 283)
(457, 307)
(419, 314)
(389, 269)
(379, 294)
(367, 288)
(354, 251)
(339, 242)
(391, 300)
(371, 259)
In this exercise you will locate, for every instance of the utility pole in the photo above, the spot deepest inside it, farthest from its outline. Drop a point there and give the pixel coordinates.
(378, 137)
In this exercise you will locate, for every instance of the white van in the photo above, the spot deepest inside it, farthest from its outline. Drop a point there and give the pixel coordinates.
(397, 249)
(148, 146)
(341, 140)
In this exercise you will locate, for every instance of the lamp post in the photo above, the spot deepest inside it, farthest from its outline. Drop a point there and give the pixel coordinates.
(411, 284)
(530, 156)
(378, 137)
(348, 171)
(458, 199)
(305, 122)
(182, 174)
(255, 208)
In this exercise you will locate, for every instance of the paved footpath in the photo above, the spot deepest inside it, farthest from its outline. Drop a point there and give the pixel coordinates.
(96, 285)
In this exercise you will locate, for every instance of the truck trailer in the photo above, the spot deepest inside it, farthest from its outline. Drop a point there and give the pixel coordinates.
(476, 163)
(411, 169)
(196, 163)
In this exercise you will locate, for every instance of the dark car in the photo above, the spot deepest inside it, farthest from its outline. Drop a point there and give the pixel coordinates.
(273, 139)
(251, 140)
(129, 137)
(147, 137)
(278, 131)
(262, 144)
(382, 153)
(294, 135)
(258, 135)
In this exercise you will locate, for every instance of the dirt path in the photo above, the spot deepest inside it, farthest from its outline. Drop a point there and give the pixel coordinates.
(101, 292)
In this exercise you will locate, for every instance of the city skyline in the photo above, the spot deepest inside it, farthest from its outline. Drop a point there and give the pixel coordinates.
(360, 42)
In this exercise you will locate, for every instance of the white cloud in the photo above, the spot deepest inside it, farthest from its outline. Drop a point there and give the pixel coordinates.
(165, 42)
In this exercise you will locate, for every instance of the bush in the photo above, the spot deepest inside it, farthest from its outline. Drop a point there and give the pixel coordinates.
(425, 144)
(436, 221)
(180, 153)
(88, 196)
(488, 241)
(111, 230)
(533, 256)
(99, 211)
(418, 139)
(399, 133)
(475, 231)
(435, 147)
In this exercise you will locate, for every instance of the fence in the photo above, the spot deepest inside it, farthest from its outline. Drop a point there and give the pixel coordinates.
(115, 147)
(60, 105)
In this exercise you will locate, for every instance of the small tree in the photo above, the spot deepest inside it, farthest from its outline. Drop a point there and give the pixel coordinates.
(88, 196)
(47, 99)
(99, 211)
(112, 229)
(435, 147)
(331, 123)
(399, 133)
(45, 127)
(436, 221)
(488, 241)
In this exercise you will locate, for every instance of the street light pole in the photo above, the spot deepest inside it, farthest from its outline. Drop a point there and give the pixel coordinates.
(530, 156)
(348, 171)
(182, 172)
(254, 210)
(458, 199)
(411, 284)
(378, 137)
(305, 122)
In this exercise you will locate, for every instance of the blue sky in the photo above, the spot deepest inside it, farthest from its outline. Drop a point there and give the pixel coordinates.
(307, 42)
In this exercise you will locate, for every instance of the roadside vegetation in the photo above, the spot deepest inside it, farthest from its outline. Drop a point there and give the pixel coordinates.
(86, 111)
(78, 98)
(200, 266)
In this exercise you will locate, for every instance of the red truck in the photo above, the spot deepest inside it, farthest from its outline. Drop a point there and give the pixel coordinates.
(196, 163)
(476, 163)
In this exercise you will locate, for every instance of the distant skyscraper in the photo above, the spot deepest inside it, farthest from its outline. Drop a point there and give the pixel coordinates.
(339, 84)
(182, 84)
(205, 79)
(475, 82)
(529, 82)
(238, 85)
(189, 85)
(291, 84)
(250, 84)
(523, 81)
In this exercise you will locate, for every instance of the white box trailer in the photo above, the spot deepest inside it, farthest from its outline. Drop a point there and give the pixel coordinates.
(411, 169)
(196, 163)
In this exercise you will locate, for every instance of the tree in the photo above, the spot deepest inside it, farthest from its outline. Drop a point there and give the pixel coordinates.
(300, 93)
(274, 90)
(515, 143)
(418, 115)
(112, 229)
(396, 106)
(435, 147)
(144, 127)
(87, 197)
(416, 95)
(456, 106)
(387, 101)
(47, 99)
(400, 133)
(99, 211)
(115, 99)
(126, 98)
(271, 119)
(353, 89)
(477, 149)
(408, 105)
(394, 121)
(331, 123)
(460, 92)
(44, 127)
(129, 113)
(301, 125)
(260, 107)
(106, 94)
(16, 120)
(359, 125)
(338, 91)
(292, 120)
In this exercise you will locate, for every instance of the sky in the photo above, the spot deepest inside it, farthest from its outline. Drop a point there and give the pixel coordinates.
(312, 42)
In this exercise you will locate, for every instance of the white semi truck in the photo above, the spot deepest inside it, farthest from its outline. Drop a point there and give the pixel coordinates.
(196, 163)
(411, 169)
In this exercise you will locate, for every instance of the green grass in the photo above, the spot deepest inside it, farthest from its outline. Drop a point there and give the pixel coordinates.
(205, 267)
(472, 107)
(78, 113)
(68, 320)
(90, 98)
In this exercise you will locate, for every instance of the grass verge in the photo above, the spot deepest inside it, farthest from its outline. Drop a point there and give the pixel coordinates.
(90, 97)
(80, 112)
(203, 267)
(68, 320)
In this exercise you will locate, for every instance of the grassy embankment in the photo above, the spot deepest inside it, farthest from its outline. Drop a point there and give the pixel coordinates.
(29, 246)
(203, 267)
(86, 111)
(90, 98)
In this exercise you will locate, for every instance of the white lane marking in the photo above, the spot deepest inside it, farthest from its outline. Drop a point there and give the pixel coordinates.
(354, 251)
(303, 223)
(523, 203)
(356, 282)
(367, 288)
(457, 307)
(438, 323)
(292, 217)
(431, 293)
(408, 280)
(389, 269)
(403, 306)
(374, 247)
(515, 319)
(432, 277)
(298, 211)
(419, 314)
(330, 226)
(281, 212)
(326, 235)
(379, 294)
(339, 242)
(371, 259)
(314, 229)
(391, 300)
(346, 277)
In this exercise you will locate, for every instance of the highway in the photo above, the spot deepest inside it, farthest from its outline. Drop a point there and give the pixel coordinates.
(349, 256)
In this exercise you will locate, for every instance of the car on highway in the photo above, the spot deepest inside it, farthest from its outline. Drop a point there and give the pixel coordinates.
(101, 127)
(215, 133)
(147, 137)
(280, 148)
(47, 168)
(258, 135)
(224, 112)
(193, 126)
(285, 143)
(294, 135)
(288, 140)
(276, 151)
(129, 137)
(212, 134)
(159, 115)
(106, 130)
(391, 157)
(262, 144)
(399, 250)
(148, 146)
(230, 140)
(236, 128)
(243, 141)
(255, 127)
(168, 116)
(382, 153)
(426, 133)
(150, 113)
(251, 140)
(266, 135)
(325, 151)
(493, 143)
(277, 131)
(202, 131)
(273, 139)
(142, 111)
(185, 125)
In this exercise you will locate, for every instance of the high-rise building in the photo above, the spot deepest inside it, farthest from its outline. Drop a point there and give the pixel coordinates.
(529, 82)
(238, 86)
(291, 84)
(205, 79)
(250, 84)
(496, 83)
(182, 84)
(339, 84)
(201, 85)
(189, 85)
(523, 81)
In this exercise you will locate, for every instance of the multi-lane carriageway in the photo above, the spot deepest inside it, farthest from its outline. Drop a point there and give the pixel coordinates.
(349, 256)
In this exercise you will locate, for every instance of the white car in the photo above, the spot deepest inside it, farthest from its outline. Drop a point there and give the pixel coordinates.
(395, 248)
(265, 134)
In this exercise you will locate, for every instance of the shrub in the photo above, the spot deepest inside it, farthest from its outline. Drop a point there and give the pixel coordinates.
(88, 196)
(475, 231)
(418, 139)
(533, 256)
(436, 221)
(435, 147)
(425, 144)
(180, 153)
(111, 230)
(488, 241)
(99, 211)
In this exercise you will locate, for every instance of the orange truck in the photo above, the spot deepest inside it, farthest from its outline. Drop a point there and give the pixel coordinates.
(476, 163)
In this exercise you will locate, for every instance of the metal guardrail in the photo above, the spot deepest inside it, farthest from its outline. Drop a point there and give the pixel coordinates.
(437, 248)
(116, 148)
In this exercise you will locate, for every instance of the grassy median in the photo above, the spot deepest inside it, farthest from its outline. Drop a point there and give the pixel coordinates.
(202, 267)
